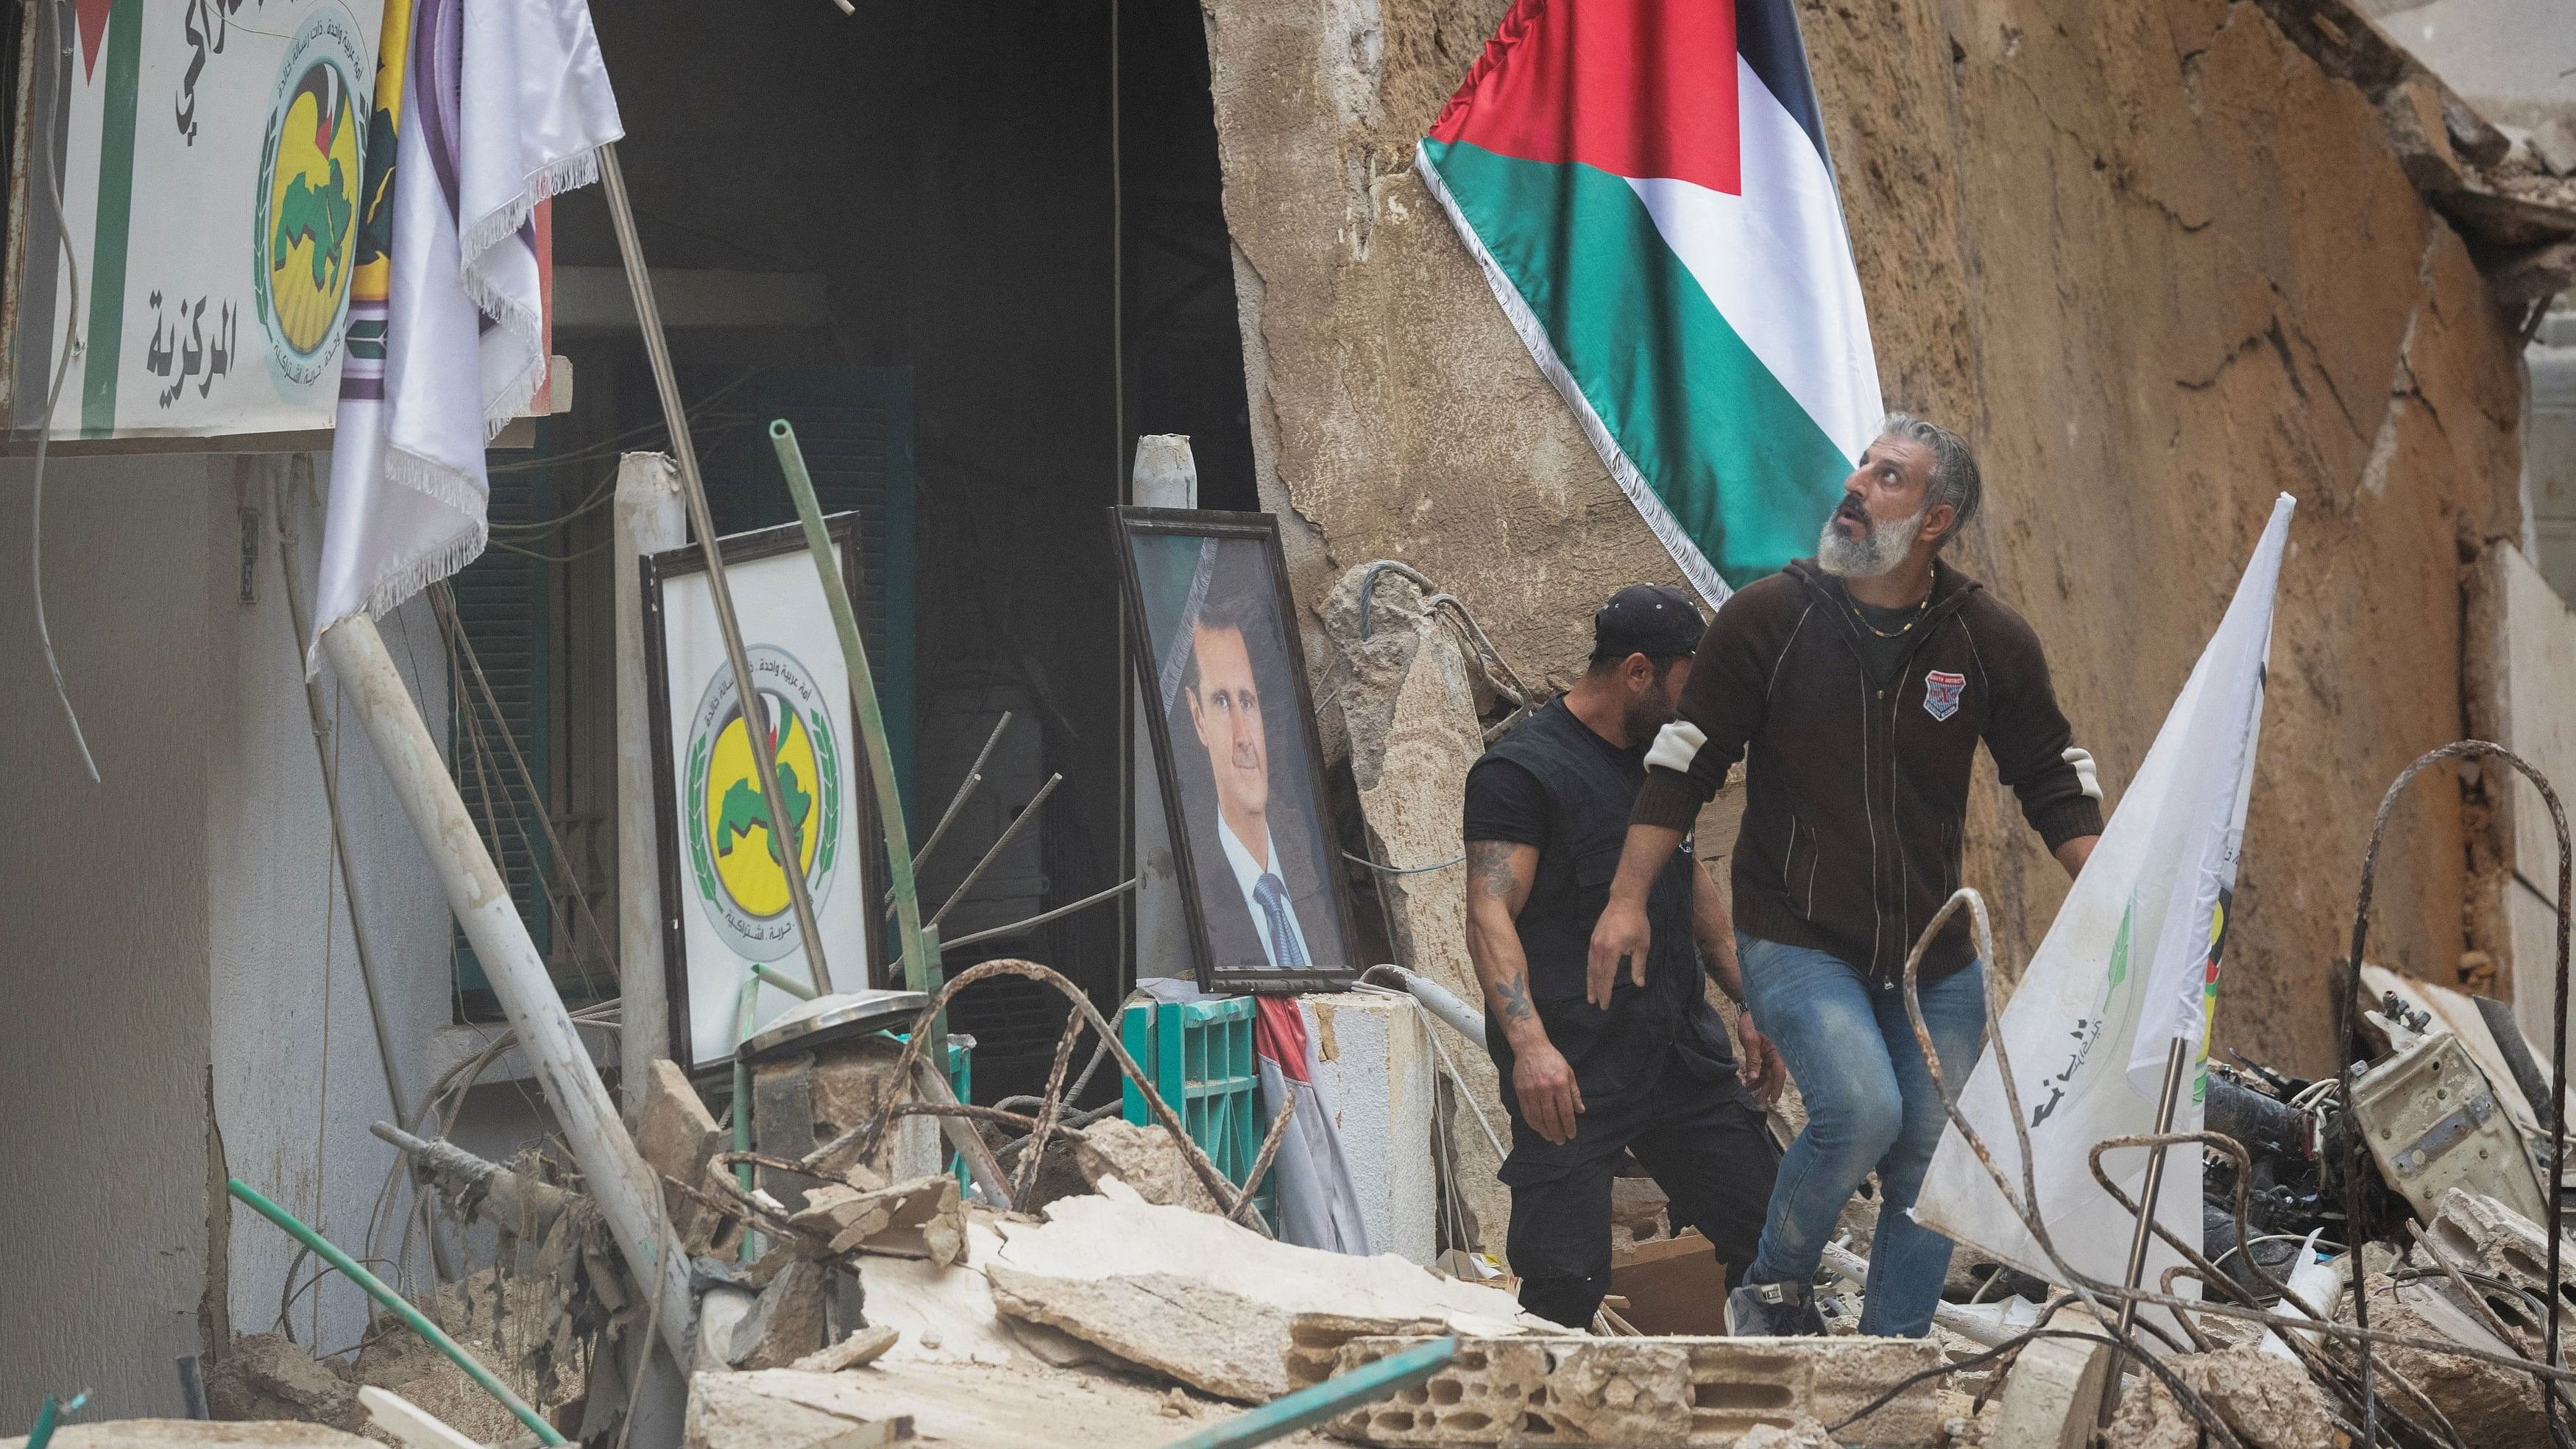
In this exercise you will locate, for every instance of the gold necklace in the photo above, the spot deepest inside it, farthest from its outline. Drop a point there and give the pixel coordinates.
(1924, 604)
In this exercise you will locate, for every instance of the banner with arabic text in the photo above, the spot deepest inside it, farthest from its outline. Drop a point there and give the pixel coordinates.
(196, 209)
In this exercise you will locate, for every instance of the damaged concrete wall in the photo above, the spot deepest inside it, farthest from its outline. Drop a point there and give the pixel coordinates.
(103, 1046)
(2147, 253)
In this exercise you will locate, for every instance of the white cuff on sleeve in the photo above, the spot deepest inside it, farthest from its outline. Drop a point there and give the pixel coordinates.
(2084, 775)
(1676, 745)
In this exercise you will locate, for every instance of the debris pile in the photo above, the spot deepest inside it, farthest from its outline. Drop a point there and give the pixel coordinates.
(878, 1308)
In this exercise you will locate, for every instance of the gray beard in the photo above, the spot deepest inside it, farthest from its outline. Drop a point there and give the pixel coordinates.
(1868, 558)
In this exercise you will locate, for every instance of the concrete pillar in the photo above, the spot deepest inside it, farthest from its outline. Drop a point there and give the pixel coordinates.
(647, 518)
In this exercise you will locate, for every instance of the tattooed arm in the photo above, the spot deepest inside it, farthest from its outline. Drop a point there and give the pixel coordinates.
(1499, 875)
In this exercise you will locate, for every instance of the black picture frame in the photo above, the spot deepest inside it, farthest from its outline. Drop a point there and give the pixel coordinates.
(1129, 524)
(687, 561)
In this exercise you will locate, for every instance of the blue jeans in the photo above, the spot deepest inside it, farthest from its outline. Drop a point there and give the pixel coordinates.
(1870, 1104)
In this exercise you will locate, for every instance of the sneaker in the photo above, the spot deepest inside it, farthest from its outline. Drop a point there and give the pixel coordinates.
(1773, 1310)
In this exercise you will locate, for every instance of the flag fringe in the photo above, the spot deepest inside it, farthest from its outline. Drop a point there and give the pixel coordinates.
(1668, 531)
(514, 317)
(569, 174)
(404, 579)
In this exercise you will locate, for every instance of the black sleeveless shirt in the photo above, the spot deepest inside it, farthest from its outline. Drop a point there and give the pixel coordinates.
(1554, 784)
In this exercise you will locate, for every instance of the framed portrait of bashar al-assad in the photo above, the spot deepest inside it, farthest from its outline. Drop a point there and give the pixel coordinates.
(1233, 729)
(725, 902)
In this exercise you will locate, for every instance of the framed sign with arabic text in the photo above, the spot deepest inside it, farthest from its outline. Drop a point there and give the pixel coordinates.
(725, 902)
(194, 188)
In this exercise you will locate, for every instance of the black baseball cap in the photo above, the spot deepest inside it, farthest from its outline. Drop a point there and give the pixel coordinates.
(1655, 620)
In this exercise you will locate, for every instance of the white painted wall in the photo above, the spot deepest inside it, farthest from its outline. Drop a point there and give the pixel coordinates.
(167, 950)
(1373, 1061)
(2534, 715)
(296, 1070)
(103, 1042)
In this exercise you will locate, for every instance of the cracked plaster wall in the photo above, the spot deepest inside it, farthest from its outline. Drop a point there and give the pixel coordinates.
(2149, 256)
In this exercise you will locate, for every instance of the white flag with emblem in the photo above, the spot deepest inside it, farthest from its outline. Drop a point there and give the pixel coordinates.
(2130, 964)
(492, 107)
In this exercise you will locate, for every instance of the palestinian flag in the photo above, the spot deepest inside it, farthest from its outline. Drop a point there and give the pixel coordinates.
(1646, 185)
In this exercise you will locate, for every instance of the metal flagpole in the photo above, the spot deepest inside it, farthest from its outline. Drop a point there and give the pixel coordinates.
(783, 829)
(2177, 1056)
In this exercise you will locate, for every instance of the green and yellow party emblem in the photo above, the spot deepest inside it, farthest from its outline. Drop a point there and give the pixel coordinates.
(309, 167)
(737, 853)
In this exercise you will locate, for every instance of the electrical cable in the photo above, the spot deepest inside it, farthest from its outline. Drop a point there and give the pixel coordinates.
(44, 437)
(1403, 869)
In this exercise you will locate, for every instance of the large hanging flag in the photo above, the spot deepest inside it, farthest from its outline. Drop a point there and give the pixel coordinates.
(1646, 186)
(2129, 966)
(491, 107)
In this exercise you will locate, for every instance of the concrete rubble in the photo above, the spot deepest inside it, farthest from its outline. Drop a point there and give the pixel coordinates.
(785, 1322)
(923, 1218)
(197, 1434)
(1660, 1391)
(2270, 1402)
(1208, 1303)
(2488, 1405)
(266, 1376)
(1409, 702)
(676, 1136)
(1144, 1158)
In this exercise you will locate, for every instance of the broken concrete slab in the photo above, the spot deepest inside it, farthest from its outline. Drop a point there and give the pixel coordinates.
(677, 1136)
(1145, 1158)
(851, 1082)
(2481, 1233)
(1648, 1391)
(729, 1411)
(944, 1314)
(859, 1349)
(2553, 145)
(989, 1406)
(2489, 1405)
(785, 1322)
(922, 1218)
(2270, 1402)
(1804, 1434)
(198, 1434)
(2054, 1388)
(1205, 1301)
(266, 1376)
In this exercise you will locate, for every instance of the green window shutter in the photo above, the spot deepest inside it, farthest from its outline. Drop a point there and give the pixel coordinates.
(505, 607)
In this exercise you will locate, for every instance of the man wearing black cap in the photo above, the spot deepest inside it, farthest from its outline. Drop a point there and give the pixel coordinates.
(1547, 812)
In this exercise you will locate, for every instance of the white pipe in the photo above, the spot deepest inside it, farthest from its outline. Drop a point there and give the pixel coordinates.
(1443, 1003)
(629, 1196)
(646, 518)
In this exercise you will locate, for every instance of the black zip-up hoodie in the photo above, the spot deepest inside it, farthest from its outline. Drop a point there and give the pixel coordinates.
(1855, 793)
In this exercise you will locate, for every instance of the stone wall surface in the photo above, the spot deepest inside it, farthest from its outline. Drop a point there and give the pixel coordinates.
(2150, 256)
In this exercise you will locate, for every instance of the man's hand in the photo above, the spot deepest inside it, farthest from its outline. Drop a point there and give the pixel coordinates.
(1760, 1068)
(1622, 930)
(1545, 1085)
(1620, 934)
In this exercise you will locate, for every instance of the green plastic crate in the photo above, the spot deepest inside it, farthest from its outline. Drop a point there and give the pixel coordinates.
(1199, 1054)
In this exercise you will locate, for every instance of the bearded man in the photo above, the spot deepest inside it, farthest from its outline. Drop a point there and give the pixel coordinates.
(1856, 686)
(1647, 1069)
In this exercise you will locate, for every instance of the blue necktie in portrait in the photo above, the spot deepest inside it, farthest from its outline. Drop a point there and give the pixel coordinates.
(1286, 951)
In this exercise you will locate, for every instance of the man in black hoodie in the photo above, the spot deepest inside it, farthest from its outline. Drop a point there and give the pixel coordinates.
(1856, 686)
